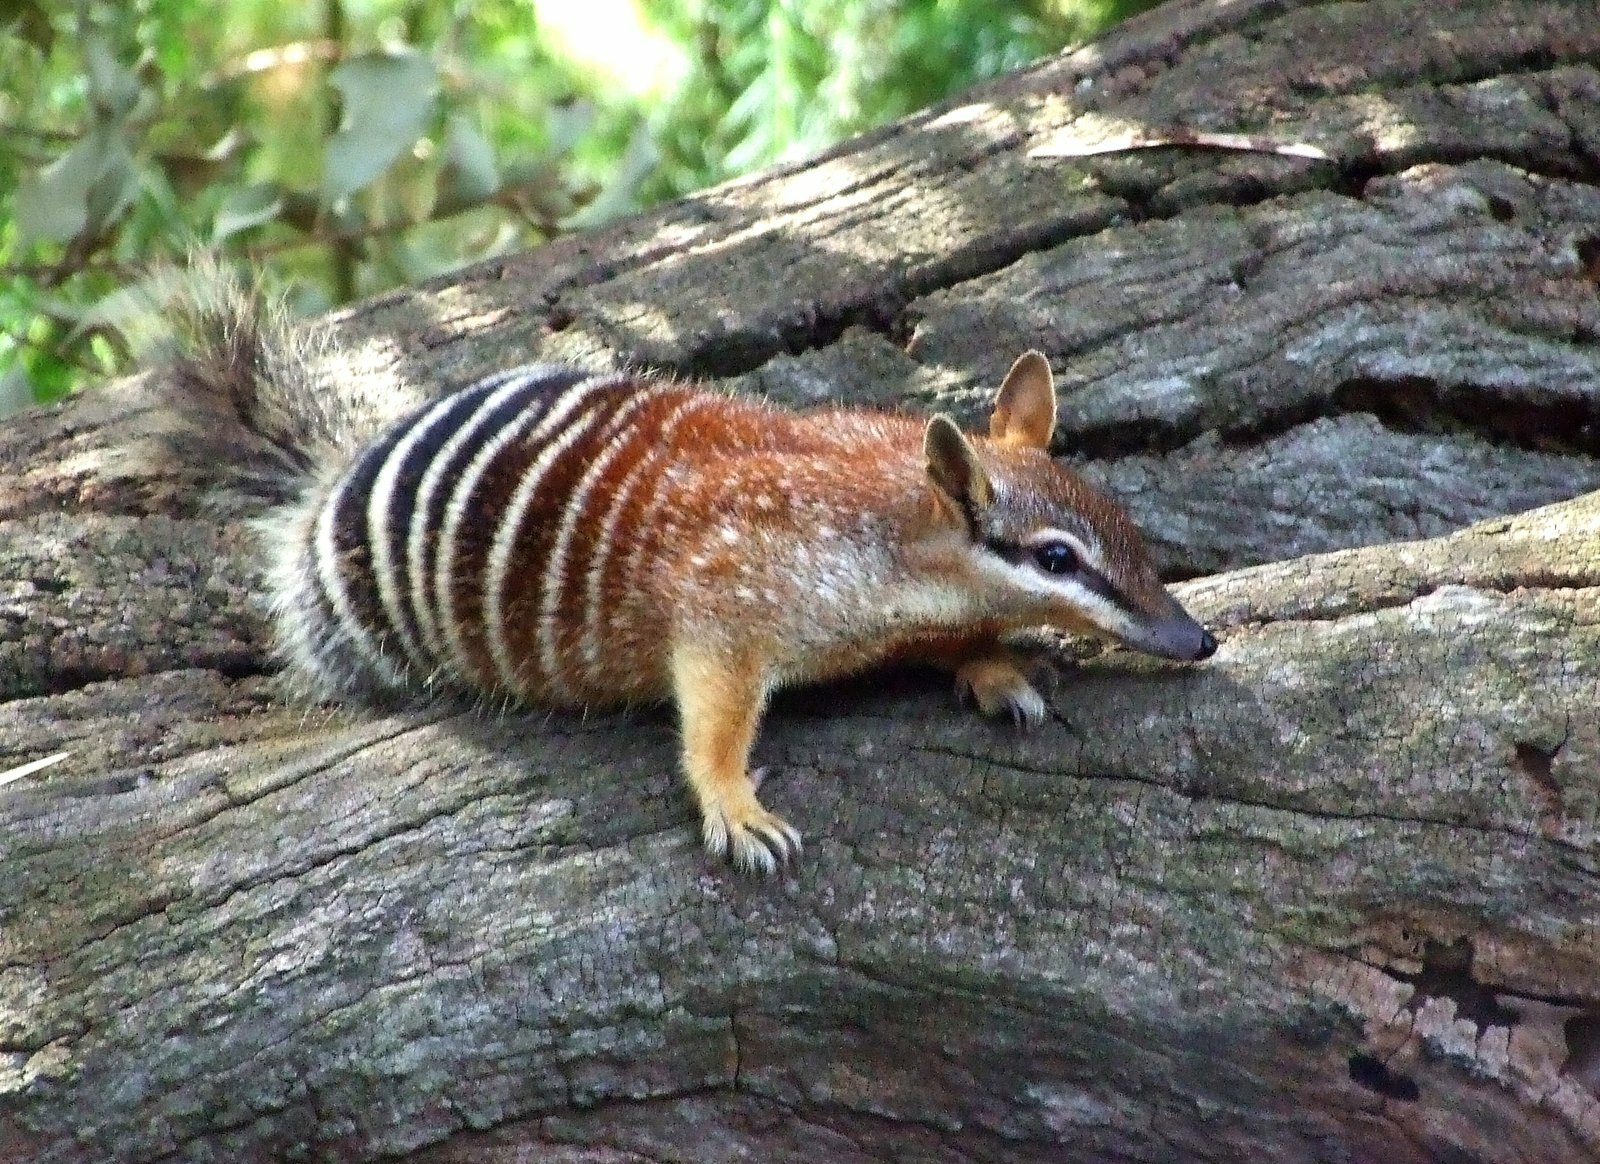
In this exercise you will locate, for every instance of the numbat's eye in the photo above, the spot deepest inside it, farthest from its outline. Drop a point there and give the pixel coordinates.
(1056, 558)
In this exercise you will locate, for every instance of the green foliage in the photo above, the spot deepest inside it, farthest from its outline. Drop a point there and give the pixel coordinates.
(342, 148)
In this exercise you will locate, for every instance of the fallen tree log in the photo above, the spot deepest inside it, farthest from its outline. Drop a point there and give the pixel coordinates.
(1331, 896)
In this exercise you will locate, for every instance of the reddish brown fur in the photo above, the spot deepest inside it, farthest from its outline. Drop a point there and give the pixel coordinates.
(737, 548)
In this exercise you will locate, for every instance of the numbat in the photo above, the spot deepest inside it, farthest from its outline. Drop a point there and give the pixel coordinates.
(569, 539)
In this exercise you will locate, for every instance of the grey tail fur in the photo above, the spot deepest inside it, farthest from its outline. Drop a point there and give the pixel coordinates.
(239, 361)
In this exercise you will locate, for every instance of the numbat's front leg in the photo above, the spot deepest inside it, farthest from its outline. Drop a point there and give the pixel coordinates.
(998, 683)
(720, 703)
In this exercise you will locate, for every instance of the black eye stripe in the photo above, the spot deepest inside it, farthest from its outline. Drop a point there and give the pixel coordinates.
(1085, 575)
(1099, 584)
(1012, 552)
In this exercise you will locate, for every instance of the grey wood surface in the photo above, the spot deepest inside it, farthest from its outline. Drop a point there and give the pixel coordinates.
(1330, 896)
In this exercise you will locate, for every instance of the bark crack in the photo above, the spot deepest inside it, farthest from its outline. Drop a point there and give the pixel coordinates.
(1402, 404)
(1127, 962)
(1177, 788)
(1371, 603)
(1447, 973)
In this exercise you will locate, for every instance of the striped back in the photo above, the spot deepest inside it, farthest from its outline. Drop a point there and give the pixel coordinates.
(471, 542)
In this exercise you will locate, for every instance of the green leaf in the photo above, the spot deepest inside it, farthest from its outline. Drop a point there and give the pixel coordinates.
(114, 187)
(28, 22)
(468, 175)
(80, 192)
(246, 207)
(619, 194)
(51, 376)
(113, 87)
(388, 98)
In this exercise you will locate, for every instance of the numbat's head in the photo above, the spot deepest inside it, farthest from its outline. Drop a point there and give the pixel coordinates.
(1042, 547)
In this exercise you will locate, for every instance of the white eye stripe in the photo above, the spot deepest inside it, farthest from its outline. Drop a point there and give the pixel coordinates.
(1106, 615)
(1041, 537)
(1084, 597)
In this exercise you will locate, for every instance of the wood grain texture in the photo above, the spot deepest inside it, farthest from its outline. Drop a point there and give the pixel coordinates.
(1330, 897)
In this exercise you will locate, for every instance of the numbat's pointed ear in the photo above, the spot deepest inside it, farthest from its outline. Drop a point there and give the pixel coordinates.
(955, 470)
(1025, 409)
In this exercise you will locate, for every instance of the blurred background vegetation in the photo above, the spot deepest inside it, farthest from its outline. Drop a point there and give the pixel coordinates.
(343, 147)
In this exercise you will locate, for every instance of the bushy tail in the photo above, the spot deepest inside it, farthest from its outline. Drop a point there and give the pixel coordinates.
(257, 412)
(238, 361)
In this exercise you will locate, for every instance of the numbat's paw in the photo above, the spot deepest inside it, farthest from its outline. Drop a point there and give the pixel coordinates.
(755, 840)
(999, 687)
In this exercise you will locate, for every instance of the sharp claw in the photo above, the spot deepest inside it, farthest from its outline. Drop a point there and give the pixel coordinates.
(749, 837)
(761, 849)
(714, 833)
(964, 694)
(754, 857)
(782, 843)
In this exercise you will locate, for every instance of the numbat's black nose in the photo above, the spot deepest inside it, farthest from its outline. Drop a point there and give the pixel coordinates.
(1176, 636)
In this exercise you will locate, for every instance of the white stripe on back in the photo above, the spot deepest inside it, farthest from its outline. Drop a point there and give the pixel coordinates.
(594, 578)
(382, 496)
(422, 587)
(505, 539)
(614, 438)
(461, 500)
(647, 517)
(325, 552)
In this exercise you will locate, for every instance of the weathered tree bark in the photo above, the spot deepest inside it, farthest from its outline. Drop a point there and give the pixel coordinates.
(1331, 896)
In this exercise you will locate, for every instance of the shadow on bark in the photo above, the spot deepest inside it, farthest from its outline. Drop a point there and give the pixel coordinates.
(1329, 897)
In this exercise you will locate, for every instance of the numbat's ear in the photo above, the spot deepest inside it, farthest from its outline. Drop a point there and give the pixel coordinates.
(955, 470)
(1025, 408)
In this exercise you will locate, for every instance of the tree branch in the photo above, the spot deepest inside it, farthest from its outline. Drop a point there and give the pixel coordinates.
(1328, 897)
